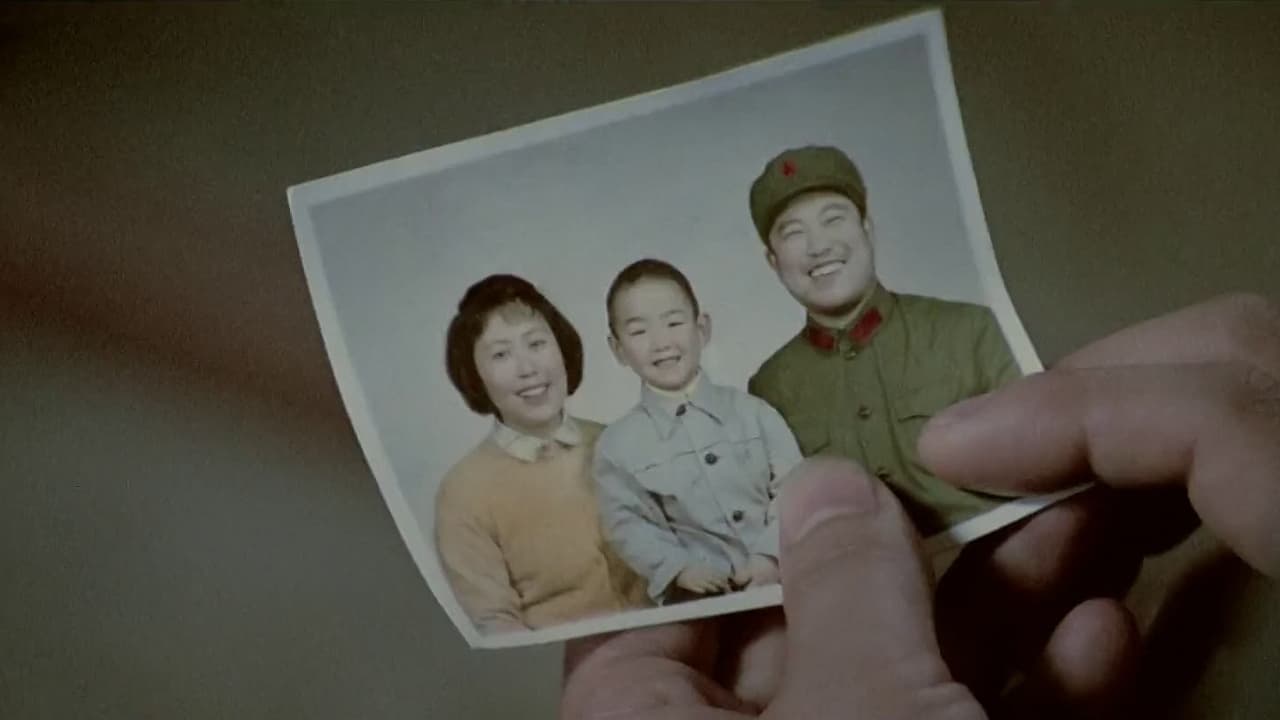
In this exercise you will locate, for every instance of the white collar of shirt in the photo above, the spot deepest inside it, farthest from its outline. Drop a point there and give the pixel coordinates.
(530, 448)
(671, 400)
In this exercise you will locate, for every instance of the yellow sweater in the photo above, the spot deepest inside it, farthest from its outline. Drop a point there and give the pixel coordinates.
(521, 542)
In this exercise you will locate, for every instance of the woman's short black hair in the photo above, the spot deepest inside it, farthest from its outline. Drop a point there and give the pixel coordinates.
(478, 304)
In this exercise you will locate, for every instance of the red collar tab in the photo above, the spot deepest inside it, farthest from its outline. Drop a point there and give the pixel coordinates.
(860, 334)
(820, 337)
(866, 327)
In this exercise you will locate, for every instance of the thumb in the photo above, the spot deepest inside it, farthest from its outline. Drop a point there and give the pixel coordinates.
(857, 596)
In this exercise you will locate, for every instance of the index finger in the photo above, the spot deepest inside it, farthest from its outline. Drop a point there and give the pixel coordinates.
(1236, 328)
(1215, 428)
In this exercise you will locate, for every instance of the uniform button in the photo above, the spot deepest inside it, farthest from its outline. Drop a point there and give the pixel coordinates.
(883, 473)
(680, 411)
(864, 412)
(738, 515)
(710, 458)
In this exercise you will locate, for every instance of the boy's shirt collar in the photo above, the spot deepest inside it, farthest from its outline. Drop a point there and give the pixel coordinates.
(670, 400)
(530, 448)
(668, 408)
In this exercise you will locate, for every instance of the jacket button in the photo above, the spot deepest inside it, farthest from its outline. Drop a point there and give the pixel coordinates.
(710, 458)
(680, 411)
(864, 412)
(738, 515)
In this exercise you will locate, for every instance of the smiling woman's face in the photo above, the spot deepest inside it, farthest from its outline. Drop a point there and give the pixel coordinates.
(523, 371)
(820, 247)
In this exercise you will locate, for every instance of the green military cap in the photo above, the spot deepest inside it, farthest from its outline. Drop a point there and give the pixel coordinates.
(801, 170)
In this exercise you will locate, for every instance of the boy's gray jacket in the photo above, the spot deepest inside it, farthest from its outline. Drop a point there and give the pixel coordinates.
(697, 484)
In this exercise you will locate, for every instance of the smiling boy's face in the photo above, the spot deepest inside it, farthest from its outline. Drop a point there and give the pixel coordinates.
(657, 334)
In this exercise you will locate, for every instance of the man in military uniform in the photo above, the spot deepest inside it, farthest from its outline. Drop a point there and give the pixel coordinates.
(870, 366)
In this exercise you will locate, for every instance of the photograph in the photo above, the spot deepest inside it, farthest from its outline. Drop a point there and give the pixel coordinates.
(583, 355)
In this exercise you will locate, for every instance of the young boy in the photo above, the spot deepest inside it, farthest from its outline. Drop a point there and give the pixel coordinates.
(688, 478)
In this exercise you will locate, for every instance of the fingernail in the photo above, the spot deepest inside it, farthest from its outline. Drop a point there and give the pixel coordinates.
(960, 412)
(830, 495)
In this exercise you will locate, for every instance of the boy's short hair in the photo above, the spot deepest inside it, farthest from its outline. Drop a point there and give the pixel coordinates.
(494, 294)
(648, 268)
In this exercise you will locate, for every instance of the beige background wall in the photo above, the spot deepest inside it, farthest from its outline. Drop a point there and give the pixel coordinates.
(187, 528)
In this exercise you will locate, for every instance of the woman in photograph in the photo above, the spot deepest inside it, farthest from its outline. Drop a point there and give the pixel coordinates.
(517, 527)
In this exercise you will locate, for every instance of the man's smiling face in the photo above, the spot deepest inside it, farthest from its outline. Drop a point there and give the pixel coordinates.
(820, 247)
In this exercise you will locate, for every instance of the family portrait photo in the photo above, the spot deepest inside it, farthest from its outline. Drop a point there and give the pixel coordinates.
(582, 356)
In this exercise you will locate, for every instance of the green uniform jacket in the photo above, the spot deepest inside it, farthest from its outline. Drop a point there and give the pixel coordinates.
(866, 391)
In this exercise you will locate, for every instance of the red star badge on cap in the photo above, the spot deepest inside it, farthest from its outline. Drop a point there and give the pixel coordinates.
(788, 168)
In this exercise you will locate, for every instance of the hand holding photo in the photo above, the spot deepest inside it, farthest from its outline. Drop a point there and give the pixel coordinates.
(521, 326)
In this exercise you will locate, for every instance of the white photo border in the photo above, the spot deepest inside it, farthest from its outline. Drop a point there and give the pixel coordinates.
(305, 196)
